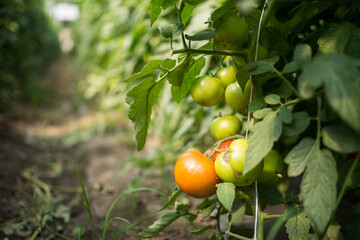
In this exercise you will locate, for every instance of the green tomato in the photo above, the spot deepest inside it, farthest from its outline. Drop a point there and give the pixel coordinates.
(232, 31)
(272, 170)
(207, 91)
(236, 98)
(229, 165)
(227, 75)
(226, 126)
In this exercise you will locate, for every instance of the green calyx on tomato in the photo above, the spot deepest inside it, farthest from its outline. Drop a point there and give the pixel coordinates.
(226, 126)
(207, 91)
(232, 32)
(195, 175)
(272, 170)
(229, 165)
(227, 75)
(225, 145)
(236, 98)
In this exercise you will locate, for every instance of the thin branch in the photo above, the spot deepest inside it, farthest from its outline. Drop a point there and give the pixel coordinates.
(210, 52)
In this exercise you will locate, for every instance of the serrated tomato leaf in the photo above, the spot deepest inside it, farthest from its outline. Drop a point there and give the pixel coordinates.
(226, 194)
(300, 121)
(263, 66)
(299, 156)
(297, 225)
(141, 100)
(261, 141)
(340, 139)
(147, 69)
(193, 71)
(340, 76)
(318, 188)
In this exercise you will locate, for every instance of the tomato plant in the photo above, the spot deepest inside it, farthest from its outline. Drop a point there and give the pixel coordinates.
(300, 96)
(207, 91)
(225, 126)
(195, 174)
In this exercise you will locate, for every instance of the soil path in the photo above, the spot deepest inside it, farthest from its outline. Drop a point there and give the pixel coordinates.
(40, 149)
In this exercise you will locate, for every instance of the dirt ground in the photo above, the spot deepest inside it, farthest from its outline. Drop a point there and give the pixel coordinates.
(40, 149)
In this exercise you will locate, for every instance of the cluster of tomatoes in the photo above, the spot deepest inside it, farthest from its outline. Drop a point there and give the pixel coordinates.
(198, 174)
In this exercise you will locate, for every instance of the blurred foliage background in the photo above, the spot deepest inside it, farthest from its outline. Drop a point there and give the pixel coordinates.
(28, 43)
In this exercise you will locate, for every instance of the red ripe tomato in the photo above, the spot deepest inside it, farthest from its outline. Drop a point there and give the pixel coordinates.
(224, 145)
(195, 174)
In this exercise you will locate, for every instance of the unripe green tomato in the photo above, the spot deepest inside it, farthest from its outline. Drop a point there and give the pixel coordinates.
(232, 32)
(227, 75)
(272, 170)
(263, 52)
(226, 126)
(233, 158)
(236, 98)
(207, 91)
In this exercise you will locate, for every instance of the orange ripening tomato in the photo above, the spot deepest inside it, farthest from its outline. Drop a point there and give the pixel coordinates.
(224, 145)
(195, 175)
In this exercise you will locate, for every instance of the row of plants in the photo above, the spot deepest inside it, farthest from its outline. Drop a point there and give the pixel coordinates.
(28, 44)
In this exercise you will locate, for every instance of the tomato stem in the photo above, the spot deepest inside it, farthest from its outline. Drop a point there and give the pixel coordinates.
(211, 52)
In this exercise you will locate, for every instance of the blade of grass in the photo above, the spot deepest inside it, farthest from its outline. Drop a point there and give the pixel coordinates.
(124, 192)
(87, 204)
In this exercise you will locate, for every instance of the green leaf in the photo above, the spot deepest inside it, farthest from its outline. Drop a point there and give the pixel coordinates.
(155, 10)
(238, 211)
(284, 90)
(194, 70)
(176, 77)
(262, 140)
(141, 100)
(187, 13)
(340, 75)
(242, 77)
(285, 115)
(302, 54)
(256, 104)
(298, 225)
(270, 195)
(263, 66)
(166, 31)
(220, 11)
(201, 230)
(341, 38)
(205, 34)
(171, 200)
(147, 69)
(159, 225)
(226, 194)
(168, 63)
(340, 139)
(318, 189)
(272, 99)
(299, 156)
(273, 39)
(300, 121)
(194, 2)
(290, 67)
(260, 114)
(168, 3)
